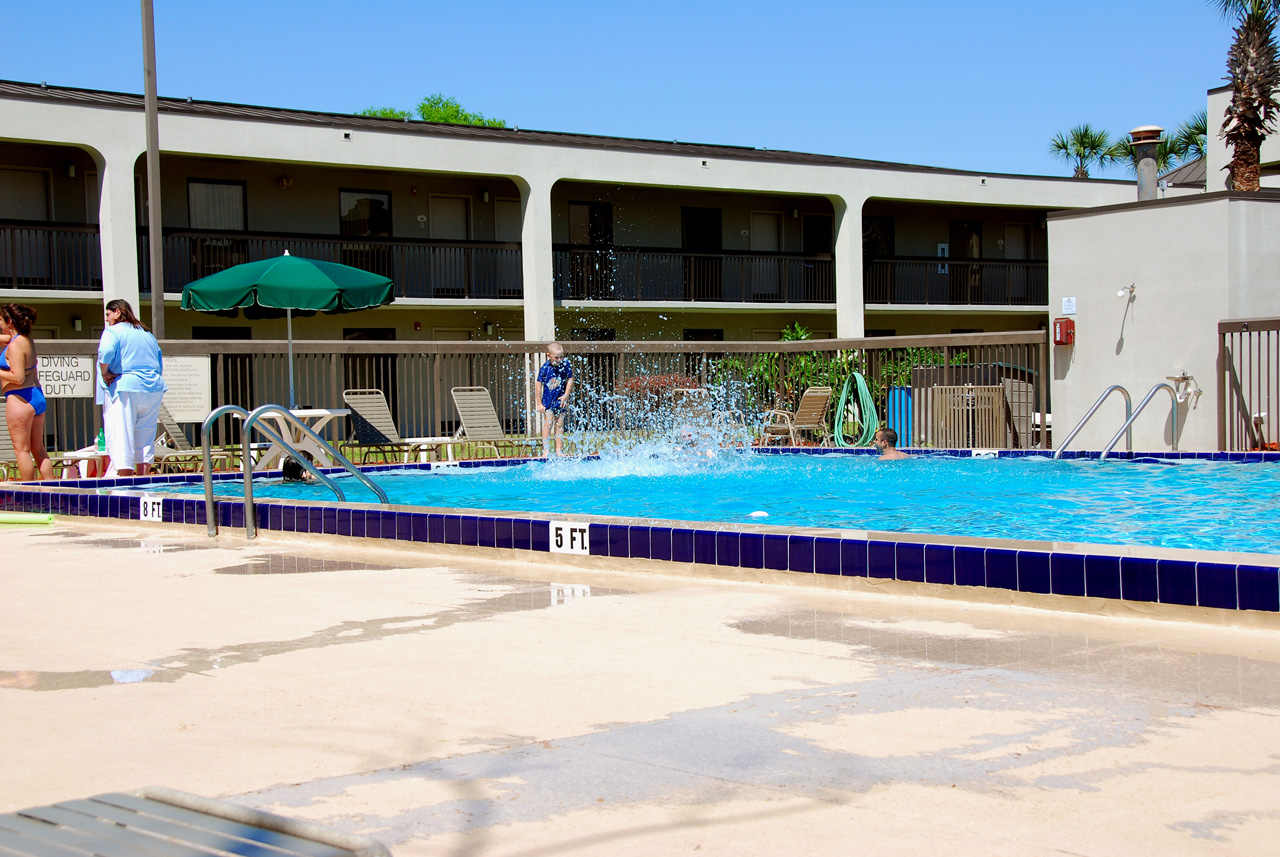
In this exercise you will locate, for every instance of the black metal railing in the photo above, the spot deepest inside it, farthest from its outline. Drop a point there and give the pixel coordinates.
(963, 282)
(39, 254)
(420, 269)
(634, 274)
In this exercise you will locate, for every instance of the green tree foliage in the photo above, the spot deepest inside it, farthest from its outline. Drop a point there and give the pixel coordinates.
(1253, 74)
(385, 112)
(1122, 152)
(1190, 138)
(436, 108)
(1084, 147)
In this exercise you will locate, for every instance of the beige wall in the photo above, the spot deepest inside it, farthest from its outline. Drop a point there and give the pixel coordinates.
(114, 136)
(919, 228)
(1193, 261)
(66, 192)
(310, 204)
(921, 324)
(650, 217)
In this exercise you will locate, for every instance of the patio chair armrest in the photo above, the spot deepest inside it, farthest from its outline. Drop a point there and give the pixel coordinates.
(787, 416)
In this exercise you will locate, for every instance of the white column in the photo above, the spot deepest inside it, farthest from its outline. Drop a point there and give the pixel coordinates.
(850, 310)
(117, 225)
(535, 251)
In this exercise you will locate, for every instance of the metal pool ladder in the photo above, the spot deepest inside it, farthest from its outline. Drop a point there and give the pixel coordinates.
(1130, 416)
(1128, 420)
(251, 422)
(1146, 400)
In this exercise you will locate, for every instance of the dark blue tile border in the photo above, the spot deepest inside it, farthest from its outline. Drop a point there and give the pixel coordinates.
(1218, 585)
(940, 564)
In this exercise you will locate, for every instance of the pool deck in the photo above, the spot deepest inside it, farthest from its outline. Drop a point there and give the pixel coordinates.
(451, 704)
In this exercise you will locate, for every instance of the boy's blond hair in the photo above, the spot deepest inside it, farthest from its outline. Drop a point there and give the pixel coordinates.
(555, 348)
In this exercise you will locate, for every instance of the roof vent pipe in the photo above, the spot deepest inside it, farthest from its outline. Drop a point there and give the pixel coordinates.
(1145, 140)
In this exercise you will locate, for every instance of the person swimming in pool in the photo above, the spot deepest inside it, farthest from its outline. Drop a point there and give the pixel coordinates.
(291, 470)
(23, 396)
(886, 440)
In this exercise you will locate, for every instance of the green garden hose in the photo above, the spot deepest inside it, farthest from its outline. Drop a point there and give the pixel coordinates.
(868, 422)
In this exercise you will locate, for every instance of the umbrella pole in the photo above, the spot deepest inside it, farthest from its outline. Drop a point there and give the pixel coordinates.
(288, 317)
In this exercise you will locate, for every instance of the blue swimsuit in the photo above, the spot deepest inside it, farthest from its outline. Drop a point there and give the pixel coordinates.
(32, 395)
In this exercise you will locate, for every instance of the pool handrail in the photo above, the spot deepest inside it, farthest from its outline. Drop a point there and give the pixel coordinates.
(1128, 416)
(206, 451)
(1146, 400)
(251, 423)
(211, 518)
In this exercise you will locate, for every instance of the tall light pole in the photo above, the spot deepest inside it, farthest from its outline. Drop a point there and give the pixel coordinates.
(151, 109)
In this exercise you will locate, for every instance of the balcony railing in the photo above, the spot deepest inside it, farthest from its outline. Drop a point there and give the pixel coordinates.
(928, 280)
(39, 254)
(632, 274)
(420, 269)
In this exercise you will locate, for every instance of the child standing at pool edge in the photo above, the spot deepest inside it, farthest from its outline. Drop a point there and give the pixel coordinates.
(555, 382)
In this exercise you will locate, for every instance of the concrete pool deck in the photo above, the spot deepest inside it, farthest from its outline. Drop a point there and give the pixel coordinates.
(456, 705)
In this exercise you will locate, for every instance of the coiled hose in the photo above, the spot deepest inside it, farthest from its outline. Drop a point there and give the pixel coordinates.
(868, 422)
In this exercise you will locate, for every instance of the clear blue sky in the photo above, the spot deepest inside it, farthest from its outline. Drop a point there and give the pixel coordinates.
(978, 85)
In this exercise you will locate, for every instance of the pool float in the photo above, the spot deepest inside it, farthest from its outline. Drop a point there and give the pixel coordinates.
(25, 518)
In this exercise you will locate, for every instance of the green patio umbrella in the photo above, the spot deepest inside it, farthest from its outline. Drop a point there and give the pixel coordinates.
(288, 283)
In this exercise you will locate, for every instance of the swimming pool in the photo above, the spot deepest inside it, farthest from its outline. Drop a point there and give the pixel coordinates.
(1171, 503)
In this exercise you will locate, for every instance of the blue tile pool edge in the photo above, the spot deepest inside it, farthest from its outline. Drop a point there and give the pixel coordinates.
(993, 566)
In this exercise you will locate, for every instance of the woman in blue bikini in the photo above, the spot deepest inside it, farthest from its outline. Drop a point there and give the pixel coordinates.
(23, 396)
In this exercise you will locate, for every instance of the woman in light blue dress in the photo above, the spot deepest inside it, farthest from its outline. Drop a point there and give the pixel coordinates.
(131, 368)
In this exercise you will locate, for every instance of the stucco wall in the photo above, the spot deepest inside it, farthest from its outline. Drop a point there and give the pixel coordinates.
(1193, 261)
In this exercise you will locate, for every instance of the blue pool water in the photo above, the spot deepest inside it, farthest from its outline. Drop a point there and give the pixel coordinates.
(1192, 504)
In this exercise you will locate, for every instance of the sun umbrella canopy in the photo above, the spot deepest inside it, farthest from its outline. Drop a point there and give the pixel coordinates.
(289, 282)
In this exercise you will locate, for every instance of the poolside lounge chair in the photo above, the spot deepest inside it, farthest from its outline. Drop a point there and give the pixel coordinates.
(175, 454)
(809, 416)
(480, 423)
(374, 431)
(161, 822)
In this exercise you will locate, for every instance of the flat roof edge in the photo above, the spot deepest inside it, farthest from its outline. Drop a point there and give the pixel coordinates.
(230, 110)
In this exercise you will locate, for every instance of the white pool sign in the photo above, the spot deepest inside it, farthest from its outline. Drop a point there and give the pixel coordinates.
(569, 537)
(151, 508)
(65, 377)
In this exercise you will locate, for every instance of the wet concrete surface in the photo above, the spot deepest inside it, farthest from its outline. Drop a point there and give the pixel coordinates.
(494, 707)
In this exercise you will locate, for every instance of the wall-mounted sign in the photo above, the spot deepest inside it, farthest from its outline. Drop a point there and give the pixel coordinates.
(65, 377)
(1068, 306)
(188, 395)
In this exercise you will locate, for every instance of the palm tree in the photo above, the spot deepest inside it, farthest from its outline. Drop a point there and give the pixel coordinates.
(1254, 76)
(1189, 140)
(1083, 146)
(1166, 154)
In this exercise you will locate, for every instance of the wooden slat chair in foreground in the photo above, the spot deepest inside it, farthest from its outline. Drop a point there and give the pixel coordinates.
(480, 423)
(809, 416)
(161, 822)
(374, 432)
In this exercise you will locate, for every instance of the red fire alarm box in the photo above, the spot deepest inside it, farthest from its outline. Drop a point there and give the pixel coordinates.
(1064, 331)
